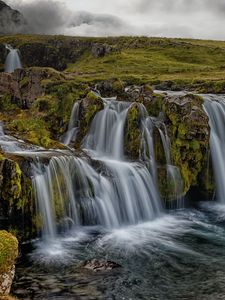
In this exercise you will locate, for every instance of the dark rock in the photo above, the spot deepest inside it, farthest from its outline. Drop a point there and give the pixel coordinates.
(43, 55)
(24, 87)
(99, 50)
(100, 265)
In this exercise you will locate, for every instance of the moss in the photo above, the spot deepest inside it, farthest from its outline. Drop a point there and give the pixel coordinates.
(133, 132)
(32, 130)
(189, 131)
(155, 106)
(8, 251)
(24, 82)
(5, 103)
(12, 181)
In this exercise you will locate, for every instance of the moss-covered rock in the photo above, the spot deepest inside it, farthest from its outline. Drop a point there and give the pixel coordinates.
(189, 132)
(8, 255)
(132, 140)
(17, 207)
(89, 107)
(8, 251)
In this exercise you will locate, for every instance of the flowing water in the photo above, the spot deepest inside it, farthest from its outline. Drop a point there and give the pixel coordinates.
(102, 205)
(215, 108)
(13, 61)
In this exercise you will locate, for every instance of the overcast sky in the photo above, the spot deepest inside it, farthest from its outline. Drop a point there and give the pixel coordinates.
(170, 18)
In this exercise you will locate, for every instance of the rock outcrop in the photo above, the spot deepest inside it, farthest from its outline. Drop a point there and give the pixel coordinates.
(189, 132)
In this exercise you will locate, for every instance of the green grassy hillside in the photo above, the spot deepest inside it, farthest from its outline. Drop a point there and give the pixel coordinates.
(135, 59)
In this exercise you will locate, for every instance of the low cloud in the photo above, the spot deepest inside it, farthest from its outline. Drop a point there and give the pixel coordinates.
(170, 18)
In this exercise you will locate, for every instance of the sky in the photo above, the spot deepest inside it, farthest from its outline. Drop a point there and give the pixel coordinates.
(203, 19)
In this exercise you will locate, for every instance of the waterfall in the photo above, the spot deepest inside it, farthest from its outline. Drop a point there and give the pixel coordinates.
(69, 188)
(106, 136)
(73, 128)
(104, 187)
(215, 108)
(12, 60)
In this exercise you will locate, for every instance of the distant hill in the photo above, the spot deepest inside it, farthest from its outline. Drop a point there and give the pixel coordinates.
(11, 21)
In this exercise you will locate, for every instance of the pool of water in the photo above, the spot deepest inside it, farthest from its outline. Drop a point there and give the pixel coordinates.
(180, 255)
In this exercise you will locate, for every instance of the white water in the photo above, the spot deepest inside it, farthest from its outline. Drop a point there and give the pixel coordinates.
(106, 136)
(107, 190)
(13, 61)
(9, 143)
(73, 128)
(215, 107)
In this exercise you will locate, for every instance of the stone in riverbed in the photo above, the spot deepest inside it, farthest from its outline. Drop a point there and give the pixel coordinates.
(100, 265)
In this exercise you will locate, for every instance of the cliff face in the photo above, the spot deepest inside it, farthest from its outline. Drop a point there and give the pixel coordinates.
(11, 21)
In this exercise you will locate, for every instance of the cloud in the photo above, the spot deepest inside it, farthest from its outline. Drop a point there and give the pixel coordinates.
(170, 18)
(53, 17)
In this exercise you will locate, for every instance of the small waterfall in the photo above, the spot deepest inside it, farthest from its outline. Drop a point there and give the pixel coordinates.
(13, 61)
(74, 124)
(174, 178)
(106, 136)
(215, 108)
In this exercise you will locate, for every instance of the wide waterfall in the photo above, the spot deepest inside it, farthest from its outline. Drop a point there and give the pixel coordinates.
(215, 108)
(13, 61)
(104, 188)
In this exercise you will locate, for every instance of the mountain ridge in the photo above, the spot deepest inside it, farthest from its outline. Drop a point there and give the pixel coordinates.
(11, 20)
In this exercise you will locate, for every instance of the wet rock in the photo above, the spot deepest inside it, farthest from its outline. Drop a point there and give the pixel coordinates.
(189, 131)
(90, 106)
(100, 265)
(16, 198)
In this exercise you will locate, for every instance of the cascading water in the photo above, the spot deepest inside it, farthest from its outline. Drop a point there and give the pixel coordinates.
(215, 108)
(13, 61)
(71, 134)
(106, 136)
(118, 192)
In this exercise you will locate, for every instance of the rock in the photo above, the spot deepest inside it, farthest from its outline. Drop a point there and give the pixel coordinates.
(8, 255)
(24, 87)
(17, 207)
(189, 131)
(100, 265)
(43, 55)
(100, 50)
(89, 107)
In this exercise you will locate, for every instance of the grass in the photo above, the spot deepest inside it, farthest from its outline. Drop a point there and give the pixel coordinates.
(155, 63)
(139, 59)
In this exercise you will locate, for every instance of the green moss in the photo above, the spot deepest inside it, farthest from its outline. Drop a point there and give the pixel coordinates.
(8, 251)
(133, 132)
(155, 106)
(189, 131)
(5, 103)
(33, 130)
(24, 82)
